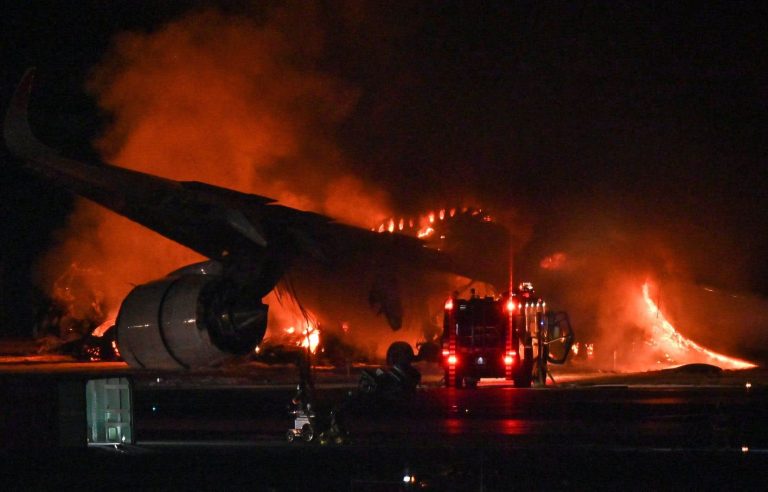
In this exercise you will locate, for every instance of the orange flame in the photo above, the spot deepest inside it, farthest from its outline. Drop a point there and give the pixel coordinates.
(309, 337)
(426, 222)
(667, 338)
(102, 328)
(426, 232)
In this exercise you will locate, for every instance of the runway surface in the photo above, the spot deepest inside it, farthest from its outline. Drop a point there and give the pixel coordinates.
(227, 431)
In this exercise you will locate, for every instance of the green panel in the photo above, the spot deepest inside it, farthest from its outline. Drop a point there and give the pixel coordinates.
(110, 412)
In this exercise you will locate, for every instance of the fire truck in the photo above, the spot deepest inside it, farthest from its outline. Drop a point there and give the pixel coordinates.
(513, 336)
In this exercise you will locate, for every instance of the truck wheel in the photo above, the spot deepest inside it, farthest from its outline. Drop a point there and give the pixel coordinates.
(399, 353)
(524, 375)
(522, 381)
(470, 383)
(290, 435)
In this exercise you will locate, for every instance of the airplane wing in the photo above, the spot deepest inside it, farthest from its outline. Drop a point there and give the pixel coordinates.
(254, 238)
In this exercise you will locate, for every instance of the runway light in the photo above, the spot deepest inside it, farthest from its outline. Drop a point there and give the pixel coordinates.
(408, 477)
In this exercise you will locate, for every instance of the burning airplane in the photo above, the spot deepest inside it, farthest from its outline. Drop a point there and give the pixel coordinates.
(203, 313)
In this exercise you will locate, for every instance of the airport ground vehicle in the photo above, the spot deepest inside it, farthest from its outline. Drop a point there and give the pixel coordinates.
(302, 427)
(513, 336)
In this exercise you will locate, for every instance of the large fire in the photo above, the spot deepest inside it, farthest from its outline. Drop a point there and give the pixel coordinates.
(423, 226)
(248, 133)
(677, 348)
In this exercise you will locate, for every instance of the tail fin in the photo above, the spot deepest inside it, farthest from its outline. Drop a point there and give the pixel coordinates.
(16, 131)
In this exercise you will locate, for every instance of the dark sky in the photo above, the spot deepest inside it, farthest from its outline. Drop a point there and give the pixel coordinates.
(573, 114)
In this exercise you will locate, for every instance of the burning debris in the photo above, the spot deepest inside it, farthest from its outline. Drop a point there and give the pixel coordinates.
(308, 337)
(651, 342)
(610, 275)
(676, 348)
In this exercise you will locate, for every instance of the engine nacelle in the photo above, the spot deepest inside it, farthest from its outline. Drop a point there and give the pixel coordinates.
(188, 320)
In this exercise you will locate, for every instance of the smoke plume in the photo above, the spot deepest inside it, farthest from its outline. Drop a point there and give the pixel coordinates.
(218, 98)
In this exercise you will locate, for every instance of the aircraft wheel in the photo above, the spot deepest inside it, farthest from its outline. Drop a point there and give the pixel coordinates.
(523, 376)
(399, 353)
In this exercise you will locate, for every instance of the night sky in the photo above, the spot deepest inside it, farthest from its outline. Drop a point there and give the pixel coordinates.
(648, 118)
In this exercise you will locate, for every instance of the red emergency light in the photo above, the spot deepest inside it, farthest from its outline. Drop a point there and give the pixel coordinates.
(509, 359)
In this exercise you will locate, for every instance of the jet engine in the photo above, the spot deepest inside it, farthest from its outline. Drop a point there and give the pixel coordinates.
(196, 317)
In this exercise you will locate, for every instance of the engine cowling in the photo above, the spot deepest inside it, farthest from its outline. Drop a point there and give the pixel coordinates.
(188, 321)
